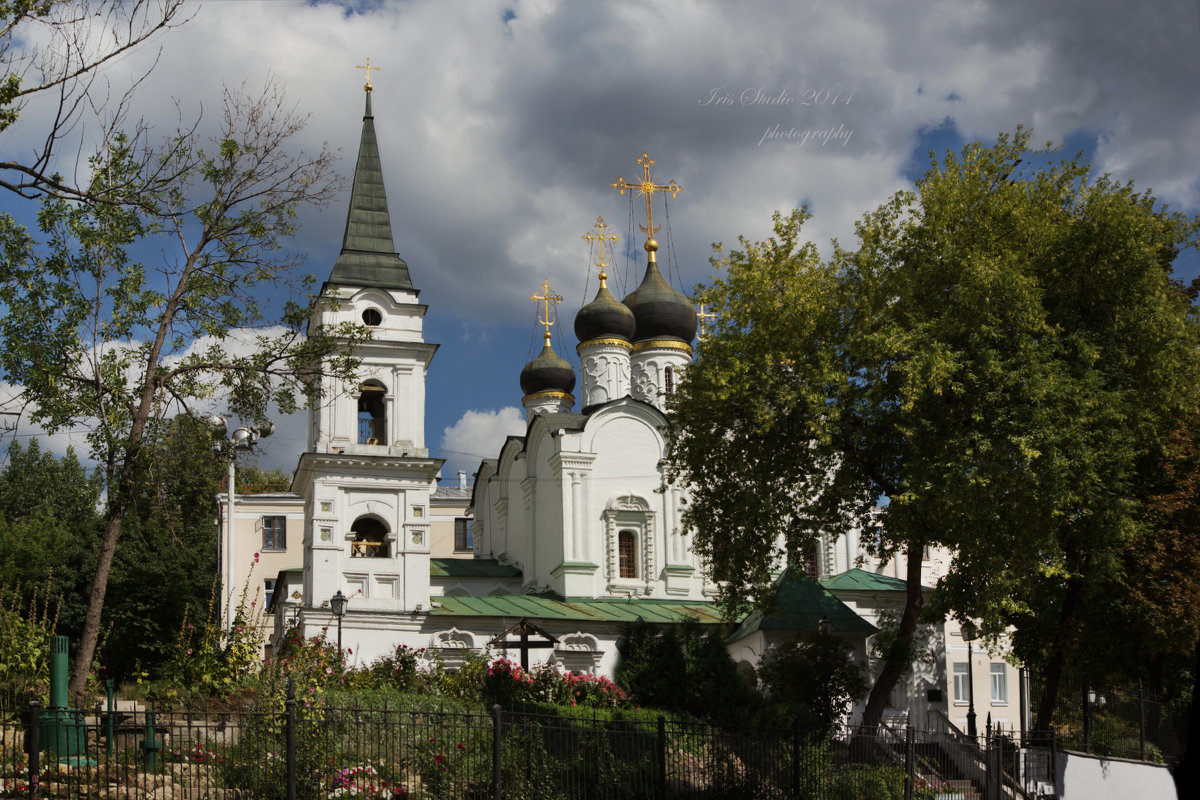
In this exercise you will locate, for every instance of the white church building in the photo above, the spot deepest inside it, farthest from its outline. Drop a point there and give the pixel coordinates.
(573, 527)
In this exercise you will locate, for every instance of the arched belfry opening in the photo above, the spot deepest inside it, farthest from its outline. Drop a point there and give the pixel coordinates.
(370, 539)
(372, 413)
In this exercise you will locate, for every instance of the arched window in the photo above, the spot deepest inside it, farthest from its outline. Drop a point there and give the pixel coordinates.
(627, 554)
(669, 380)
(372, 414)
(370, 539)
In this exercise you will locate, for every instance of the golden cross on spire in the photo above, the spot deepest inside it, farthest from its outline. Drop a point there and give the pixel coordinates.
(704, 316)
(547, 297)
(368, 68)
(601, 237)
(648, 187)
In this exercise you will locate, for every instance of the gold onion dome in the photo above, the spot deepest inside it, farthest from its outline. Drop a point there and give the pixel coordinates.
(659, 310)
(547, 373)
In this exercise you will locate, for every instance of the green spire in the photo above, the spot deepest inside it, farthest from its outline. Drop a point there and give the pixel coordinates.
(368, 256)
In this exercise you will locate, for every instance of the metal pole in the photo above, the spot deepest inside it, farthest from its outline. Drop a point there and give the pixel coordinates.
(496, 739)
(35, 747)
(291, 740)
(229, 557)
(662, 756)
(908, 763)
(796, 757)
(972, 731)
(1141, 721)
(1023, 702)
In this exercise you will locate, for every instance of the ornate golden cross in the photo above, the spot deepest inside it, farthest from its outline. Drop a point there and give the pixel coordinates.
(547, 297)
(647, 187)
(368, 68)
(704, 316)
(601, 237)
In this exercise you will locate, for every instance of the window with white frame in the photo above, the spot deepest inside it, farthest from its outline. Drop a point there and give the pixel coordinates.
(463, 538)
(269, 591)
(627, 554)
(962, 688)
(274, 531)
(999, 675)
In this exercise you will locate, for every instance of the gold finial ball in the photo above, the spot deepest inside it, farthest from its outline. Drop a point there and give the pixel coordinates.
(651, 245)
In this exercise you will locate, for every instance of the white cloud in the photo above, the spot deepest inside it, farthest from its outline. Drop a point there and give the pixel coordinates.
(478, 435)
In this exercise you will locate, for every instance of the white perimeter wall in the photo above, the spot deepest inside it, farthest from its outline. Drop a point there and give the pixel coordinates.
(1083, 777)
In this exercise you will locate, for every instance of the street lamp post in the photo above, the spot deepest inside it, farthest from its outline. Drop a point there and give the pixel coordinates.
(243, 438)
(968, 634)
(338, 604)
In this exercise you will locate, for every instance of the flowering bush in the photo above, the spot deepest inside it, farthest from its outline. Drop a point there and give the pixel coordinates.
(195, 754)
(363, 780)
(401, 670)
(213, 660)
(313, 664)
(594, 691)
(506, 682)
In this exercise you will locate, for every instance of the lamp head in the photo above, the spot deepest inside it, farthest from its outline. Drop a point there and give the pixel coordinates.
(338, 604)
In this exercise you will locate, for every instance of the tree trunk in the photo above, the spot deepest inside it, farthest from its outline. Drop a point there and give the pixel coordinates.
(90, 638)
(1187, 774)
(1056, 664)
(899, 655)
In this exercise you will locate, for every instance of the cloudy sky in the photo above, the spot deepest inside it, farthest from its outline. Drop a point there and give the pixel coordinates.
(502, 126)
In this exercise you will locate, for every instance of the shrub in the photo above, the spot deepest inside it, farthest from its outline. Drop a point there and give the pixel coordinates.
(506, 683)
(812, 681)
(25, 648)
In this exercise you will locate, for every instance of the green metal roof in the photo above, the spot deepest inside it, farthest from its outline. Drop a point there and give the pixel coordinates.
(368, 256)
(801, 602)
(551, 607)
(859, 580)
(471, 568)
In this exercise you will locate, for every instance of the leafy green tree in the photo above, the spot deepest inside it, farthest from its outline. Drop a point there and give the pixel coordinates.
(100, 339)
(168, 540)
(252, 480)
(50, 523)
(81, 37)
(997, 359)
(811, 682)
(651, 668)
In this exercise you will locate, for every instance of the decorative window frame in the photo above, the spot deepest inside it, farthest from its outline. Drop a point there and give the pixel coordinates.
(453, 645)
(579, 652)
(629, 512)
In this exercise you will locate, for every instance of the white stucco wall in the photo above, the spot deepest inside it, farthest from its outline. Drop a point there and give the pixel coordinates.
(1082, 777)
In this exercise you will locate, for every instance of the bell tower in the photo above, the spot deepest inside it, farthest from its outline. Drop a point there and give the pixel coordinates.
(366, 475)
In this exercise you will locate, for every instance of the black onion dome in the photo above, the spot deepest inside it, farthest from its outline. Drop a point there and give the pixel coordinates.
(660, 311)
(604, 317)
(547, 373)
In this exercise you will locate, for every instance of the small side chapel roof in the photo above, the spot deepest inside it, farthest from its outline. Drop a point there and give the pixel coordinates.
(368, 256)
(552, 607)
(471, 568)
(860, 580)
(800, 604)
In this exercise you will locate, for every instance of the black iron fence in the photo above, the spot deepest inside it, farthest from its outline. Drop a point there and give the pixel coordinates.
(1106, 719)
(311, 753)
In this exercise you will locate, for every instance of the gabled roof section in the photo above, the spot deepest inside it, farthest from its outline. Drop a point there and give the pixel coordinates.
(471, 568)
(800, 604)
(368, 256)
(860, 580)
